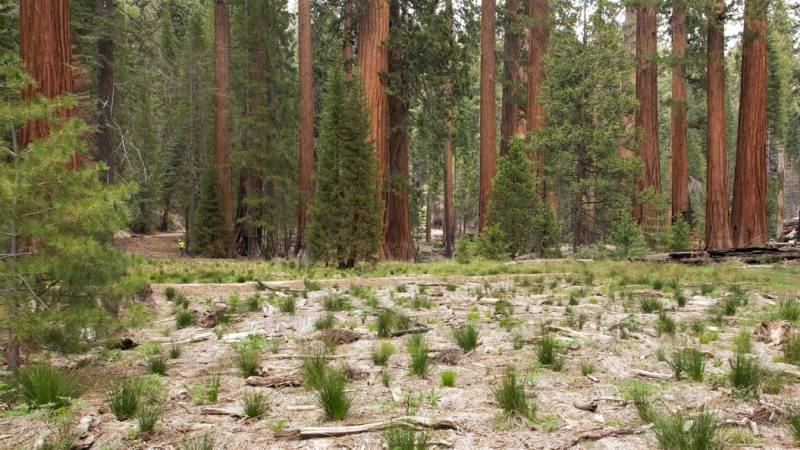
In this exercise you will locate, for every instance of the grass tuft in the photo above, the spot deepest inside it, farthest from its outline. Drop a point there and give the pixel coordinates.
(123, 398)
(332, 396)
(404, 437)
(175, 351)
(746, 375)
(791, 350)
(665, 324)
(254, 404)
(335, 302)
(382, 353)
(43, 385)
(148, 413)
(679, 432)
(324, 322)
(211, 386)
(247, 355)
(170, 293)
(157, 365)
(742, 341)
(513, 397)
(793, 422)
(205, 441)
(184, 318)
(466, 337)
(449, 377)
(687, 363)
(789, 309)
(420, 362)
(587, 367)
(651, 304)
(287, 305)
(315, 367)
(549, 353)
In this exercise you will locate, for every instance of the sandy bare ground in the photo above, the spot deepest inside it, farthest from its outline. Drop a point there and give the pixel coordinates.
(470, 404)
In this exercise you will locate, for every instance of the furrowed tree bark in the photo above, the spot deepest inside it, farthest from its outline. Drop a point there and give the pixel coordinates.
(680, 171)
(488, 151)
(780, 181)
(647, 113)
(348, 43)
(373, 59)
(718, 231)
(511, 76)
(44, 46)
(105, 94)
(399, 245)
(449, 209)
(749, 216)
(629, 38)
(306, 155)
(536, 115)
(222, 108)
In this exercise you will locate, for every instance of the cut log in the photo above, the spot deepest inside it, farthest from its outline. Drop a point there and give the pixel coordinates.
(320, 432)
(656, 375)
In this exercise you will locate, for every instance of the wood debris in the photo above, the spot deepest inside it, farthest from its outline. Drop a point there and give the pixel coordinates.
(319, 432)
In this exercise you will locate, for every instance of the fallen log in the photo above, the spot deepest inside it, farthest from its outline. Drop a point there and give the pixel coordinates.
(656, 375)
(411, 331)
(320, 432)
(275, 381)
(748, 255)
(590, 406)
(597, 435)
(220, 412)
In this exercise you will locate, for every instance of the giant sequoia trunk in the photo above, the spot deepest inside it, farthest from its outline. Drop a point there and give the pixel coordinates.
(373, 59)
(306, 154)
(105, 94)
(488, 151)
(536, 116)
(629, 40)
(680, 171)
(511, 76)
(749, 216)
(718, 231)
(222, 108)
(647, 113)
(399, 245)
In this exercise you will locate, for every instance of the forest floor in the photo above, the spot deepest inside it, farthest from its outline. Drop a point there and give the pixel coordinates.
(610, 348)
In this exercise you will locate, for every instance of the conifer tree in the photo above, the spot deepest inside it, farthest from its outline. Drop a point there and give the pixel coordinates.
(210, 235)
(346, 214)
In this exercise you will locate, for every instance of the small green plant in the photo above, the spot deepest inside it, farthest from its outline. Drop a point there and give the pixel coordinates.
(587, 367)
(651, 304)
(706, 288)
(311, 286)
(384, 323)
(665, 324)
(401, 288)
(175, 351)
(386, 377)
(254, 404)
(184, 318)
(513, 397)
(157, 365)
(432, 398)
(791, 350)
(709, 336)
(420, 361)
(123, 398)
(742, 341)
(730, 304)
(793, 421)
(657, 284)
(449, 377)
(325, 322)
(463, 250)
(287, 305)
(466, 337)
(170, 293)
(148, 412)
(698, 326)
(404, 437)
(211, 386)
(451, 287)
(382, 353)
(746, 375)
(332, 396)
(247, 354)
(517, 340)
(253, 302)
(414, 342)
(687, 363)
(680, 298)
(205, 441)
(43, 385)
(789, 310)
(679, 432)
(549, 353)
(150, 348)
(335, 302)
(315, 367)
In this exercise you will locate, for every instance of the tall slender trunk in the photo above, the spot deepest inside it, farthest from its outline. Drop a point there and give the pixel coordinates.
(449, 212)
(222, 108)
(399, 245)
(536, 115)
(749, 217)
(511, 56)
(718, 230)
(306, 152)
(428, 216)
(629, 33)
(680, 171)
(647, 113)
(105, 94)
(780, 181)
(348, 43)
(488, 151)
(373, 59)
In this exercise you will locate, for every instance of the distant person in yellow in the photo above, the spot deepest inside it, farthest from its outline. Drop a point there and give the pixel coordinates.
(181, 246)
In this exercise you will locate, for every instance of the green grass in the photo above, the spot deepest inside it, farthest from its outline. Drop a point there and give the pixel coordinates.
(205, 441)
(414, 342)
(587, 367)
(451, 287)
(324, 322)
(730, 304)
(449, 377)
(642, 396)
(793, 422)
(791, 350)
(404, 437)
(789, 309)
(382, 353)
(708, 336)
(175, 351)
(312, 286)
(384, 323)
(746, 375)
(742, 341)
(513, 397)
(253, 302)
(332, 396)
(211, 387)
(157, 365)
(123, 398)
(680, 432)
(680, 298)
(665, 324)
(335, 302)
(150, 348)
(687, 363)
(650, 305)
(549, 353)
(247, 355)
(315, 367)
(420, 361)
(287, 305)
(466, 337)
(148, 413)
(184, 318)
(401, 288)
(170, 293)
(706, 288)
(254, 404)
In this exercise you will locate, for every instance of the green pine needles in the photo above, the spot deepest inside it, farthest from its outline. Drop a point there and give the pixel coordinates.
(346, 216)
(209, 237)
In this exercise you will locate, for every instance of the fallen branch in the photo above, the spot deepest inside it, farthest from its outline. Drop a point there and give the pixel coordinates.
(276, 381)
(319, 432)
(656, 375)
(220, 412)
(411, 331)
(596, 436)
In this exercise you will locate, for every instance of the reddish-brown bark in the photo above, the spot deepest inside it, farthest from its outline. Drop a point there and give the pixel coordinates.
(222, 108)
(629, 38)
(373, 59)
(44, 46)
(647, 113)
(536, 116)
(680, 171)
(348, 43)
(511, 76)
(449, 210)
(306, 153)
(749, 215)
(718, 231)
(488, 150)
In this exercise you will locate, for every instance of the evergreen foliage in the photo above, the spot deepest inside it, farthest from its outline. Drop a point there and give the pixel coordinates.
(210, 236)
(59, 272)
(346, 215)
(680, 239)
(628, 237)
